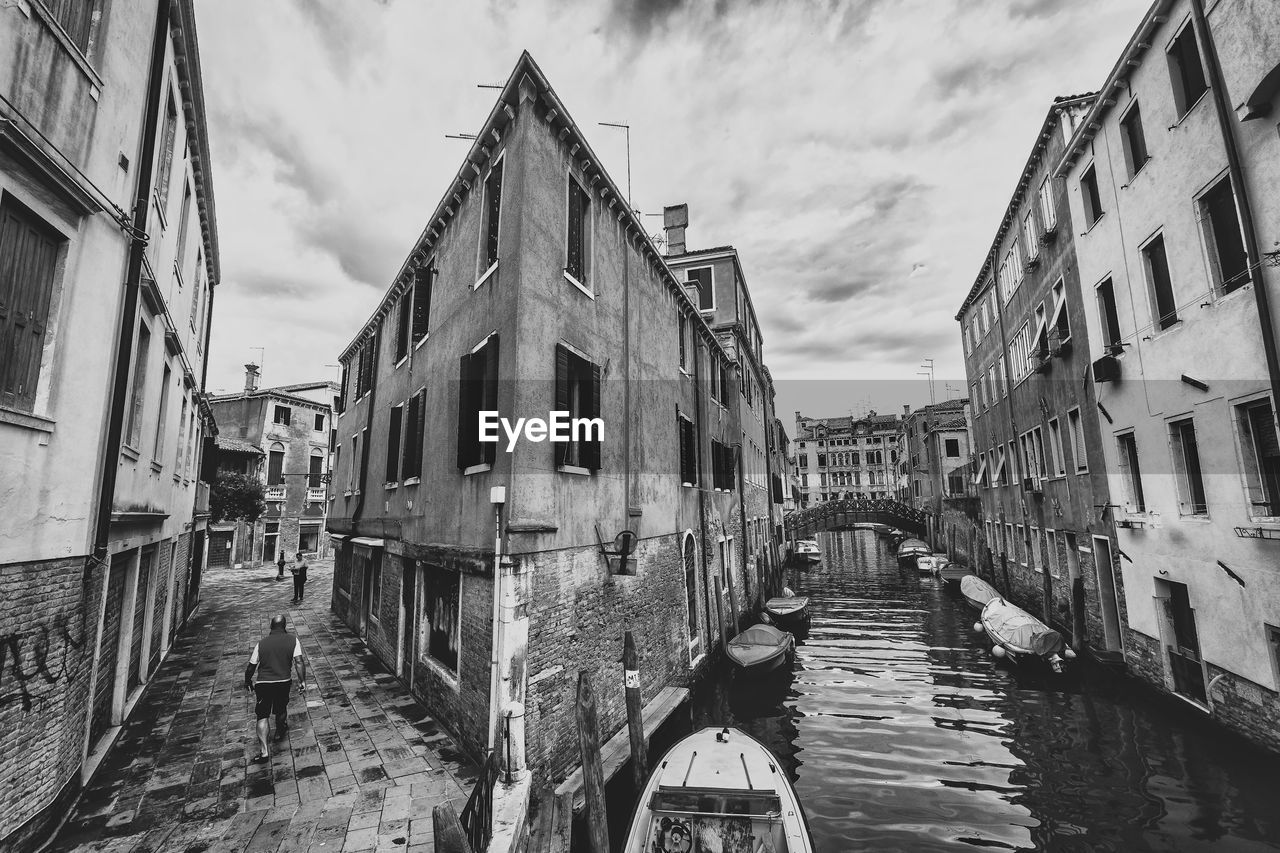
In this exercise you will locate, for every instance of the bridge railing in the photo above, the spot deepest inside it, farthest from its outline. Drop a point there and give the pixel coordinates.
(843, 512)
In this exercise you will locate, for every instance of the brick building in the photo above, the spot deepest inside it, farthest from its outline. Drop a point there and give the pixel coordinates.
(1171, 181)
(845, 457)
(108, 259)
(534, 288)
(292, 426)
(933, 454)
(1042, 528)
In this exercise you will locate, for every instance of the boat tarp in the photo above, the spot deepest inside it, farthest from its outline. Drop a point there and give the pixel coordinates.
(977, 590)
(786, 605)
(1014, 627)
(757, 644)
(913, 548)
(683, 833)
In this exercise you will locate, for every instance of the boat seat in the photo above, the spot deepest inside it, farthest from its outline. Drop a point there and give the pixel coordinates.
(700, 833)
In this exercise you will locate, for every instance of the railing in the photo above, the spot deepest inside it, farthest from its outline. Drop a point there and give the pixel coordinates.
(883, 510)
(275, 493)
(477, 814)
(316, 494)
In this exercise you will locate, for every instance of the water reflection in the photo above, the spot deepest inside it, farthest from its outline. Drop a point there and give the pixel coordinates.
(903, 734)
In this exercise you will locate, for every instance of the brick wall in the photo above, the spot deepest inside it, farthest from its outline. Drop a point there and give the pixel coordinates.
(382, 636)
(110, 646)
(1248, 708)
(47, 631)
(159, 599)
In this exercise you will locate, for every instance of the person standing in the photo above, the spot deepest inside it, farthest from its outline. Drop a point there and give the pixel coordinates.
(299, 569)
(272, 658)
(280, 561)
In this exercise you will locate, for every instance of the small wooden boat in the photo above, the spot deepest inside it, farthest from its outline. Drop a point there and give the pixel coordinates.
(760, 649)
(1017, 635)
(718, 789)
(976, 591)
(912, 548)
(951, 572)
(788, 608)
(882, 530)
(807, 549)
(927, 564)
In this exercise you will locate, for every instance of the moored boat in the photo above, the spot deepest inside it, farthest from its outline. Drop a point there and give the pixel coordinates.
(1017, 634)
(718, 789)
(910, 549)
(951, 572)
(760, 649)
(788, 608)
(807, 549)
(976, 591)
(927, 564)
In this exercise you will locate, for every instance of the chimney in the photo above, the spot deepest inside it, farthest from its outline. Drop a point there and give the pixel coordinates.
(906, 410)
(674, 220)
(250, 378)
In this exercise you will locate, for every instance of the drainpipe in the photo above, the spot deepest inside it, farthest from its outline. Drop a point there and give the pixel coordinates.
(497, 497)
(742, 515)
(1236, 169)
(697, 461)
(133, 276)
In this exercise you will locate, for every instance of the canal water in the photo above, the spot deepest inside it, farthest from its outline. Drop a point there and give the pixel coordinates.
(902, 733)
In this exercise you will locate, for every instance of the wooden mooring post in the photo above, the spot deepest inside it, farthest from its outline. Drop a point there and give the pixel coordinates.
(447, 830)
(733, 603)
(635, 711)
(597, 817)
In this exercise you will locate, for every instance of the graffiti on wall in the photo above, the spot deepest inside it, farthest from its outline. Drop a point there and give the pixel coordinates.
(33, 661)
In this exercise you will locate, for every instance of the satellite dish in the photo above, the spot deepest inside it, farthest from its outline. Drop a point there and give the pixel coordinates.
(624, 543)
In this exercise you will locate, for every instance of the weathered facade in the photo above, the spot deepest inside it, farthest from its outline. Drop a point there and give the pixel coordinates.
(534, 289)
(293, 427)
(1039, 469)
(1171, 182)
(845, 457)
(934, 453)
(108, 259)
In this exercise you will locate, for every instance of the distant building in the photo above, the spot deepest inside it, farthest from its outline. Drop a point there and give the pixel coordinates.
(1172, 182)
(933, 454)
(108, 260)
(845, 457)
(292, 427)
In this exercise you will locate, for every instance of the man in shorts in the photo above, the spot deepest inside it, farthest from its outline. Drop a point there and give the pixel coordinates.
(272, 658)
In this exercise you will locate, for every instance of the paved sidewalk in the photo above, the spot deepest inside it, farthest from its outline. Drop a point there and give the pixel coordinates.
(361, 768)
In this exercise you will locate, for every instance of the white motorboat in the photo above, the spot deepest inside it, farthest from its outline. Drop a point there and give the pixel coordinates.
(807, 549)
(1017, 634)
(719, 789)
(912, 548)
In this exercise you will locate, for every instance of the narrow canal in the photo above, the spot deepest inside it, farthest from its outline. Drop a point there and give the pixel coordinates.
(902, 733)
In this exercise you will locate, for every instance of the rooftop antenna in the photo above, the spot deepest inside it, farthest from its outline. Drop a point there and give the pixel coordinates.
(459, 136)
(490, 86)
(928, 366)
(627, 128)
(262, 355)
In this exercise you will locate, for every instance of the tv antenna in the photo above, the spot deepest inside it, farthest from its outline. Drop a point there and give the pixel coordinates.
(928, 371)
(469, 136)
(627, 129)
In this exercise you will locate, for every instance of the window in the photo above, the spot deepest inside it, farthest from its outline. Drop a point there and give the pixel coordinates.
(705, 281)
(1108, 317)
(477, 392)
(1060, 324)
(76, 19)
(1047, 214)
(275, 465)
(688, 451)
(394, 424)
(722, 467)
(822, 460)
(163, 415)
(1029, 233)
(365, 364)
(423, 279)
(1076, 430)
(182, 436)
(1059, 466)
(138, 396)
(1260, 455)
(375, 588)
(1036, 561)
(184, 216)
(319, 422)
(282, 415)
(723, 385)
(28, 251)
(952, 448)
(414, 426)
(578, 393)
(1186, 74)
(352, 484)
(1223, 237)
(1135, 144)
(166, 154)
(1089, 195)
(404, 319)
(492, 215)
(441, 616)
(1186, 468)
(1157, 264)
(1020, 545)
(683, 331)
(315, 470)
(802, 460)
(578, 244)
(687, 555)
(1130, 473)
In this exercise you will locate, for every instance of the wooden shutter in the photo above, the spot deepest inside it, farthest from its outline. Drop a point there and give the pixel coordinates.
(590, 455)
(562, 398)
(493, 198)
(574, 248)
(468, 435)
(422, 281)
(402, 324)
(393, 444)
(409, 466)
(27, 255)
(683, 440)
(489, 376)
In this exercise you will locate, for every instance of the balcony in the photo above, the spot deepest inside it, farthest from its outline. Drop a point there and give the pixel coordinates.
(316, 495)
(275, 493)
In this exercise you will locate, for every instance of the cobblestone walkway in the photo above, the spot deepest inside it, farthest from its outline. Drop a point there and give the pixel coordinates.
(360, 769)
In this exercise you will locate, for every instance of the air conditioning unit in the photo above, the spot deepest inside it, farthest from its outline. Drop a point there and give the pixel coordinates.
(1106, 369)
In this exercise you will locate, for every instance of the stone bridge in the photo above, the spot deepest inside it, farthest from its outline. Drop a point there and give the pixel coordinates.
(846, 513)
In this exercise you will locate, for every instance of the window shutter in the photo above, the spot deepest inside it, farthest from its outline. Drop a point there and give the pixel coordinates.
(573, 263)
(423, 279)
(488, 374)
(494, 198)
(26, 278)
(562, 399)
(468, 432)
(590, 455)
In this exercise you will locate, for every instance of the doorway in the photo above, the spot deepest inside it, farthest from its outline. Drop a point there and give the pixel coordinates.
(408, 597)
(1181, 640)
(1105, 567)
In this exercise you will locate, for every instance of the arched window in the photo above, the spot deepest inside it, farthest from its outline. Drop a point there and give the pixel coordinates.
(688, 549)
(275, 464)
(315, 469)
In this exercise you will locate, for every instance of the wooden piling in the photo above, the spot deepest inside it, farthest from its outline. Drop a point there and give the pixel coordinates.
(635, 711)
(733, 602)
(447, 830)
(597, 817)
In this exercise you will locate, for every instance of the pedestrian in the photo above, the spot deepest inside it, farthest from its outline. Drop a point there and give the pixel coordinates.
(272, 658)
(299, 569)
(280, 561)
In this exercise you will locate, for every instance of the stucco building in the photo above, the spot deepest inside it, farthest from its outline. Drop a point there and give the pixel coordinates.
(477, 570)
(108, 259)
(1172, 184)
(845, 457)
(292, 426)
(933, 455)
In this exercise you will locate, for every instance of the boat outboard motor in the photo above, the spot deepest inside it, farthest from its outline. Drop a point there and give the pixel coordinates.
(1056, 663)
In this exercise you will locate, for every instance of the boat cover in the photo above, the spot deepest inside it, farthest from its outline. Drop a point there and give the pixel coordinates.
(1014, 627)
(978, 591)
(913, 548)
(758, 644)
(785, 605)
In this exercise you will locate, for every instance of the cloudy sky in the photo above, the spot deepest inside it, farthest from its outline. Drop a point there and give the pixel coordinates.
(858, 154)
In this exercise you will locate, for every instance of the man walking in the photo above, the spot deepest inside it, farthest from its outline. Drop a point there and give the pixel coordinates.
(272, 658)
(299, 569)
